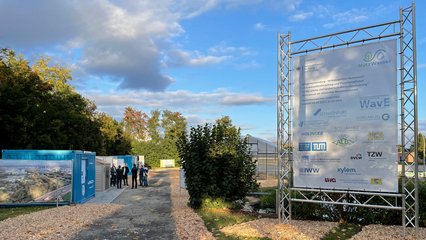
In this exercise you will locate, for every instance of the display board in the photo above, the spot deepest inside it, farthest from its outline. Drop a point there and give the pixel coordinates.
(25, 181)
(345, 118)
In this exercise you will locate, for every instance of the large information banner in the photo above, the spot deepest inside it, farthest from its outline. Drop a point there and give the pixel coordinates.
(345, 118)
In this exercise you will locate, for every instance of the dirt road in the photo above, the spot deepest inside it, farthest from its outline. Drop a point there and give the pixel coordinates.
(146, 215)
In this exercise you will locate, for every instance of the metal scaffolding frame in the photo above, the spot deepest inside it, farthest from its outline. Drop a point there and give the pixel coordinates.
(407, 200)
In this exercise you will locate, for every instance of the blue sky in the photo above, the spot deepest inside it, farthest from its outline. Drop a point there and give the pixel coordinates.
(205, 59)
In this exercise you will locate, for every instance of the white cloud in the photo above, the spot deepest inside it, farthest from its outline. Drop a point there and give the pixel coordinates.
(124, 40)
(354, 15)
(300, 16)
(178, 57)
(259, 26)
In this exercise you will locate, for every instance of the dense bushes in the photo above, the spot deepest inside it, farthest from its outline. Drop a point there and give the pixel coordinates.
(217, 163)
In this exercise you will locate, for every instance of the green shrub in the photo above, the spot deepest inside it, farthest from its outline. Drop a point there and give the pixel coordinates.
(268, 201)
(217, 163)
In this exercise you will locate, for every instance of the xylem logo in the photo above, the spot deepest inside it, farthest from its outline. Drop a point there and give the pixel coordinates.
(319, 146)
(375, 154)
(309, 170)
(333, 180)
(357, 156)
(375, 103)
(346, 170)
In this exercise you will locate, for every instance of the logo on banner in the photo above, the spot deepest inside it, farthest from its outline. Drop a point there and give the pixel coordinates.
(357, 156)
(313, 133)
(331, 180)
(376, 58)
(375, 155)
(332, 114)
(319, 146)
(344, 141)
(309, 171)
(346, 170)
(376, 181)
(375, 102)
(376, 136)
(305, 157)
(304, 146)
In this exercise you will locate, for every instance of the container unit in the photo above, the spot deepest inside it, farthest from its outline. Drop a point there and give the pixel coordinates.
(83, 168)
(102, 174)
(129, 160)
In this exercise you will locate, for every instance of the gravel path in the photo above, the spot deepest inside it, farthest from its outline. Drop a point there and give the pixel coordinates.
(146, 214)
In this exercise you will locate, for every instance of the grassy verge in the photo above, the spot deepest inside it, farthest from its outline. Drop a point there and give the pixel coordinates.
(343, 231)
(217, 218)
(13, 212)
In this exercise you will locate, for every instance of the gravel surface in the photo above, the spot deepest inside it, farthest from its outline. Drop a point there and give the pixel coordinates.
(188, 224)
(372, 232)
(268, 227)
(55, 223)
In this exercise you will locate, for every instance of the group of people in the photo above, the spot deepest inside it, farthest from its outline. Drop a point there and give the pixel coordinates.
(120, 174)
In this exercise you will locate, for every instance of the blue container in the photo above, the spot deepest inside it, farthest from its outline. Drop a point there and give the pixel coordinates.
(129, 160)
(83, 168)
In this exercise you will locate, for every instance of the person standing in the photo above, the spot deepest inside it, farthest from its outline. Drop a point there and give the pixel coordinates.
(119, 176)
(134, 177)
(113, 172)
(141, 175)
(145, 176)
(125, 174)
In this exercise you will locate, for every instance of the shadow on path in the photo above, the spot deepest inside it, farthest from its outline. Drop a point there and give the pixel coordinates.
(146, 214)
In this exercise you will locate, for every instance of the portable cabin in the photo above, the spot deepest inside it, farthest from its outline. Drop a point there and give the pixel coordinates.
(102, 174)
(83, 168)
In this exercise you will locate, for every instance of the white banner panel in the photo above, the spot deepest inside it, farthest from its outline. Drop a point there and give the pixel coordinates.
(345, 118)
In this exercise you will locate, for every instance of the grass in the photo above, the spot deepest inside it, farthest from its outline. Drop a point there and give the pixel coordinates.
(217, 218)
(343, 231)
(6, 213)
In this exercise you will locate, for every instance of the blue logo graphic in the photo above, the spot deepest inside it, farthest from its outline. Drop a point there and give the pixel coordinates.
(304, 146)
(346, 170)
(375, 103)
(377, 56)
(317, 111)
(309, 170)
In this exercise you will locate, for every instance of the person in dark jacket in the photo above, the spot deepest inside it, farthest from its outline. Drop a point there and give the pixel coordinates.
(134, 177)
(119, 176)
(125, 174)
(113, 172)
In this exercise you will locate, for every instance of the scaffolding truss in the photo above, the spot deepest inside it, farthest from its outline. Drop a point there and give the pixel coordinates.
(407, 200)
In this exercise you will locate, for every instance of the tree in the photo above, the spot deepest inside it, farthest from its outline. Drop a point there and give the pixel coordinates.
(39, 110)
(421, 146)
(135, 124)
(217, 163)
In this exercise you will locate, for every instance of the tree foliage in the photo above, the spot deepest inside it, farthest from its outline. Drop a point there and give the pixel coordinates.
(217, 163)
(161, 133)
(39, 110)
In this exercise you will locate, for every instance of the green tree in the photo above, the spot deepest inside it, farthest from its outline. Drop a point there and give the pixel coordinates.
(217, 163)
(39, 110)
(421, 146)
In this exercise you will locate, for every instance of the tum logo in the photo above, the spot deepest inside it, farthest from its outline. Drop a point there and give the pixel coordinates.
(319, 146)
(309, 170)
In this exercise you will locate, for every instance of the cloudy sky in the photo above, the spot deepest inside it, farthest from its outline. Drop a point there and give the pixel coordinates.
(204, 58)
